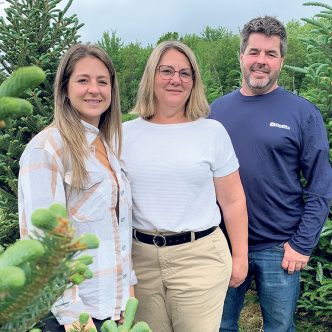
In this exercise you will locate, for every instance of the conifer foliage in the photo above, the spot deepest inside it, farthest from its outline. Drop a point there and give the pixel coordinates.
(316, 297)
(32, 32)
(35, 272)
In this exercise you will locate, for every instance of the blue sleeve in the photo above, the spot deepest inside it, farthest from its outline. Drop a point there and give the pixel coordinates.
(316, 169)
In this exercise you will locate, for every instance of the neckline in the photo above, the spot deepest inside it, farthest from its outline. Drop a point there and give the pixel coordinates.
(169, 125)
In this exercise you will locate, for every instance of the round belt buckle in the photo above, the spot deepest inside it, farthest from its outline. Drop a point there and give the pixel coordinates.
(159, 238)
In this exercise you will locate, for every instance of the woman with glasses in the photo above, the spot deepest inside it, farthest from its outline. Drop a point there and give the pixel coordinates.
(179, 164)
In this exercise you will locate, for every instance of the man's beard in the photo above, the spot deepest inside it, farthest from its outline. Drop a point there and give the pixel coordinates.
(262, 85)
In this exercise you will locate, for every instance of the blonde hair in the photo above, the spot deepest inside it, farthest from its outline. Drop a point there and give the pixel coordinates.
(67, 119)
(196, 106)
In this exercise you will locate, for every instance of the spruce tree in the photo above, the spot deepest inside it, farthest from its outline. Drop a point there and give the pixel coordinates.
(32, 32)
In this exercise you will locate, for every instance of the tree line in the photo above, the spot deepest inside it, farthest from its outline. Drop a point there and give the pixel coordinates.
(217, 52)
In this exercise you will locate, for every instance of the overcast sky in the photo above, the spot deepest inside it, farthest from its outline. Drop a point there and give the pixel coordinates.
(146, 20)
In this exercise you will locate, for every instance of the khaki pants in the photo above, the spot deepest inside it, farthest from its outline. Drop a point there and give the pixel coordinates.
(182, 288)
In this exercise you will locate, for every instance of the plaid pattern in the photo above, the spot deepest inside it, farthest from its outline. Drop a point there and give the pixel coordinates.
(44, 180)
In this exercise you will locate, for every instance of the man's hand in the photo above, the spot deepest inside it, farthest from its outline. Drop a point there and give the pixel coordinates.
(239, 271)
(293, 260)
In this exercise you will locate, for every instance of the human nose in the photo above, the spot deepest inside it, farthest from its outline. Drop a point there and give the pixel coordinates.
(176, 77)
(261, 58)
(93, 88)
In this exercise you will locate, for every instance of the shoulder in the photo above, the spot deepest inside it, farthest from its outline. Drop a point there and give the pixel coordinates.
(210, 124)
(131, 130)
(295, 99)
(212, 127)
(132, 126)
(224, 103)
(128, 125)
(302, 106)
(48, 140)
(226, 98)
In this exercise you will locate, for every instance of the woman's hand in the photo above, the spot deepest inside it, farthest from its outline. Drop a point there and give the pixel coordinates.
(131, 291)
(121, 320)
(131, 294)
(239, 271)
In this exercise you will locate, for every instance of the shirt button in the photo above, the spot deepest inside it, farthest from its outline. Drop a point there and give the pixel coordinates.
(123, 219)
(122, 192)
(124, 276)
(123, 247)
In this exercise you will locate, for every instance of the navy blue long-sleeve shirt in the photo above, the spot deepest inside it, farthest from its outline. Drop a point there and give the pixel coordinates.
(277, 137)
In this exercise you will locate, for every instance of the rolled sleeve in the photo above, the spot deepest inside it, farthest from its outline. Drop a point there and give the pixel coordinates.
(68, 308)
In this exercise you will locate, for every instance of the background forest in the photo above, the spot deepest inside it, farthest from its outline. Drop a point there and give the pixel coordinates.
(37, 32)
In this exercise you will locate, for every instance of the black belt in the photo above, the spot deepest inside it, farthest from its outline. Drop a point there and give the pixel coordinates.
(160, 240)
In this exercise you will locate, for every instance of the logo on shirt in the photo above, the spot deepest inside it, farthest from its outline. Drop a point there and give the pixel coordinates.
(278, 125)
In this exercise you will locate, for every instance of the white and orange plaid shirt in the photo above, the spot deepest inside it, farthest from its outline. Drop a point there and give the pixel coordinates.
(44, 180)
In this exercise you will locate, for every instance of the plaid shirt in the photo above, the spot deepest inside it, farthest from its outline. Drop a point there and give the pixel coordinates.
(44, 180)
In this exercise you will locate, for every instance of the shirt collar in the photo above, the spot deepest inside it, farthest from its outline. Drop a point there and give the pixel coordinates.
(91, 132)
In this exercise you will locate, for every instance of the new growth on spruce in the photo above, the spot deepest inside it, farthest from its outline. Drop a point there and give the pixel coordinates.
(35, 272)
(111, 326)
(32, 32)
(11, 106)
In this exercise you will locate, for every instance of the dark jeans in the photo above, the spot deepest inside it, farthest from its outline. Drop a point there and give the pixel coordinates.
(277, 291)
(52, 325)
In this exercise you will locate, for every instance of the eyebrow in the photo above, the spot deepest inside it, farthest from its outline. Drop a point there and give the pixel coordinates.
(86, 75)
(266, 51)
(174, 68)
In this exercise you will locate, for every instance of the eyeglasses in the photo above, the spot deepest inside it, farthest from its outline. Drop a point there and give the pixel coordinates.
(167, 72)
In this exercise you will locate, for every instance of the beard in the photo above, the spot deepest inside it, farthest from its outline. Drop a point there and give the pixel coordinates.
(259, 86)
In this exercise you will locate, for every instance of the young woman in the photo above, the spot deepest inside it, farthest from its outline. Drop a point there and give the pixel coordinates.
(179, 164)
(75, 161)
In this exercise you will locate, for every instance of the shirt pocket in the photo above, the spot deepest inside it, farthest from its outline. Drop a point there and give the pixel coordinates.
(86, 203)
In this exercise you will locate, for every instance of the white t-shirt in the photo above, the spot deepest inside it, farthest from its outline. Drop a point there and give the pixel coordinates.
(171, 169)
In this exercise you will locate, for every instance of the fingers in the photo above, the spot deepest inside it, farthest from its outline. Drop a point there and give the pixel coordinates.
(235, 283)
(284, 264)
(121, 320)
(298, 266)
(292, 267)
(293, 260)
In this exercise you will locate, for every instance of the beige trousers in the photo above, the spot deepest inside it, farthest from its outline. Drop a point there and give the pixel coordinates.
(182, 288)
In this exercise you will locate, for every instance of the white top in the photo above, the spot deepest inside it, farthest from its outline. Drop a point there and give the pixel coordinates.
(42, 181)
(171, 169)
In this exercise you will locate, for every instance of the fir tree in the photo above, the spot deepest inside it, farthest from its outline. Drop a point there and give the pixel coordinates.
(33, 32)
(316, 298)
(35, 272)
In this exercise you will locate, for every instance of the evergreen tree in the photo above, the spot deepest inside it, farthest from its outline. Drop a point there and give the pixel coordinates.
(295, 56)
(318, 61)
(316, 298)
(33, 32)
(129, 61)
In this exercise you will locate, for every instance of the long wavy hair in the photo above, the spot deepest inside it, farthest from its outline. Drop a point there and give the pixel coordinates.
(67, 118)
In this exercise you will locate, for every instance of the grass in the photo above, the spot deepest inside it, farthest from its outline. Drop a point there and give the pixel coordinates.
(251, 318)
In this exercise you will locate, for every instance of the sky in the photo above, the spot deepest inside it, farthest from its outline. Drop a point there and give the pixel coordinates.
(144, 21)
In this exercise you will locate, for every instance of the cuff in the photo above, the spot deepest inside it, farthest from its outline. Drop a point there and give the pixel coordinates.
(133, 278)
(68, 307)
